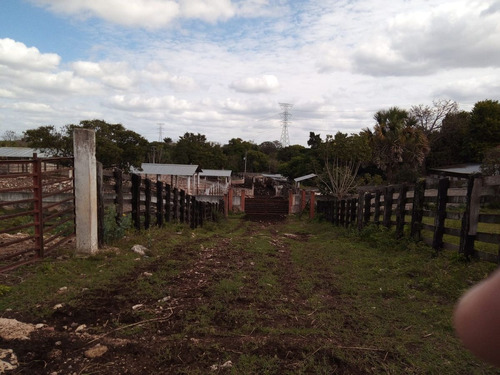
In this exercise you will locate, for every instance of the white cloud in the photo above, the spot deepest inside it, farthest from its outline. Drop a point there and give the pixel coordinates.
(330, 58)
(207, 10)
(140, 103)
(252, 85)
(149, 14)
(417, 43)
(6, 93)
(32, 107)
(17, 55)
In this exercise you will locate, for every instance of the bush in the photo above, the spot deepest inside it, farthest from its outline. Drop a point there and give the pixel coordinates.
(114, 227)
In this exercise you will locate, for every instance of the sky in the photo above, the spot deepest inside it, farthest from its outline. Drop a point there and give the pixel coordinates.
(221, 68)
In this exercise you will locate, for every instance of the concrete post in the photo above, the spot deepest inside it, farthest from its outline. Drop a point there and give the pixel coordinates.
(242, 201)
(85, 191)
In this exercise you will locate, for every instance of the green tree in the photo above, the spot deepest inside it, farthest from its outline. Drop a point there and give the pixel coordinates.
(483, 132)
(399, 147)
(236, 150)
(257, 161)
(342, 157)
(49, 139)
(448, 144)
(491, 162)
(116, 146)
(195, 149)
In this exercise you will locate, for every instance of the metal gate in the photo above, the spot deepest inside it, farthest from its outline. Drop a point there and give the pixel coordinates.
(266, 208)
(37, 208)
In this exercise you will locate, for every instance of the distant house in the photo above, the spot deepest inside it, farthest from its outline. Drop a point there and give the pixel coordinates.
(459, 171)
(182, 176)
(7, 153)
(298, 180)
(216, 181)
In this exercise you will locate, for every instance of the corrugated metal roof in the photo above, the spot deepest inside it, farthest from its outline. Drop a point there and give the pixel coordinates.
(462, 169)
(274, 176)
(168, 169)
(21, 152)
(215, 173)
(303, 178)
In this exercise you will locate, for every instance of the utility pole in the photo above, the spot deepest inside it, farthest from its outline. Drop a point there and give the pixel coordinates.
(285, 119)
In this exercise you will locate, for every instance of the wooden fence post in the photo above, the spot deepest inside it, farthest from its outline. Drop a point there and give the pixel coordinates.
(400, 211)
(388, 199)
(342, 212)
(159, 203)
(471, 216)
(192, 215)
(437, 241)
(361, 206)
(376, 209)
(118, 176)
(136, 201)
(354, 212)
(368, 204)
(187, 219)
(336, 211)
(147, 203)
(418, 210)
(175, 215)
(168, 203)
(182, 206)
(38, 206)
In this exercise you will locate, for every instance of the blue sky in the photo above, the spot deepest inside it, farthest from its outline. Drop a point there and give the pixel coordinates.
(221, 67)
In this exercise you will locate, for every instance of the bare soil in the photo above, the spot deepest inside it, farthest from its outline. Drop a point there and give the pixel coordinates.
(159, 341)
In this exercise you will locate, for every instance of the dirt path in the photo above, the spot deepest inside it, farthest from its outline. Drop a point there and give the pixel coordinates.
(234, 303)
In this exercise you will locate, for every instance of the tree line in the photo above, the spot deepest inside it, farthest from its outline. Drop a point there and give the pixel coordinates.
(401, 145)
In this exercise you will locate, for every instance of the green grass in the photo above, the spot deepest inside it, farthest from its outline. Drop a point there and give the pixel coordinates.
(299, 297)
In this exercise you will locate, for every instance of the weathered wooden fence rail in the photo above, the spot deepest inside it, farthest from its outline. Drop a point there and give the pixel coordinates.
(443, 213)
(152, 203)
(37, 208)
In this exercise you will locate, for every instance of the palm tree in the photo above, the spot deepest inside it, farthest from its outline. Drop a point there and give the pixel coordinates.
(397, 142)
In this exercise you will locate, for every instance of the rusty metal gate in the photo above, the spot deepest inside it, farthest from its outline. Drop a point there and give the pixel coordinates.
(37, 208)
(266, 208)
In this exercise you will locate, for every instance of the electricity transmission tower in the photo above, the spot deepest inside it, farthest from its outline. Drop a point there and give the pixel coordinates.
(285, 119)
(160, 124)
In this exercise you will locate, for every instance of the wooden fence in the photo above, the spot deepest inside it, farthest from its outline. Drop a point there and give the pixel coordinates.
(150, 202)
(460, 215)
(37, 208)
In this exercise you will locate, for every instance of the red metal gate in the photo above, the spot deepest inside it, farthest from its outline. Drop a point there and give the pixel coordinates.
(37, 208)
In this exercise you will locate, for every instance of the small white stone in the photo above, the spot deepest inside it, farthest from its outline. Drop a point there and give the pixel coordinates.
(80, 328)
(138, 306)
(58, 306)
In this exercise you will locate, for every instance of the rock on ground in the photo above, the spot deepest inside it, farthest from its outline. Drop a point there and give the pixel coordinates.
(11, 329)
